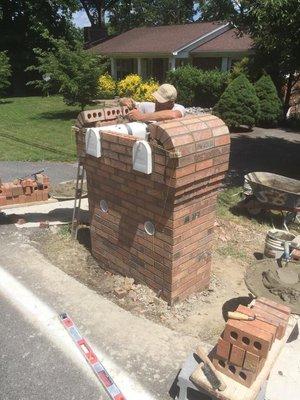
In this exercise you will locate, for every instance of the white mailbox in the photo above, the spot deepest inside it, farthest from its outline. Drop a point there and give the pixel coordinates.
(142, 157)
(93, 142)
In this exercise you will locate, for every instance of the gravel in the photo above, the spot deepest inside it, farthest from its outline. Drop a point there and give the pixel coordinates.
(198, 110)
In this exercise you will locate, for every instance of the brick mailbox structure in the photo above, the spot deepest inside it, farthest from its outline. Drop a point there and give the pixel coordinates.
(156, 227)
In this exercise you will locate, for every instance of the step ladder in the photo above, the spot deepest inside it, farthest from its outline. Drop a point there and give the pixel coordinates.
(77, 199)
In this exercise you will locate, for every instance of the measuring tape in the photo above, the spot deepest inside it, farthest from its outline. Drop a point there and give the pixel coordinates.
(103, 376)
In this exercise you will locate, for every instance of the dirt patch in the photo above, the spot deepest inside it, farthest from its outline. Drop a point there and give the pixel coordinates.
(66, 190)
(201, 315)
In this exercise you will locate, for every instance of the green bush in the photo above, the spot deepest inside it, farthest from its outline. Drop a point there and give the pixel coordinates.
(197, 87)
(211, 87)
(270, 105)
(5, 72)
(186, 80)
(239, 104)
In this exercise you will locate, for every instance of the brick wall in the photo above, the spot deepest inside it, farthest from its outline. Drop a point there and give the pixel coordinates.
(190, 157)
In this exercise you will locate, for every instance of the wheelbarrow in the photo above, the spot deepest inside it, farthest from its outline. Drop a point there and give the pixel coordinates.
(267, 191)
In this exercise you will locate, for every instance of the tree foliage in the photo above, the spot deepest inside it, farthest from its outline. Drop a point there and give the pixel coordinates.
(239, 104)
(5, 72)
(73, 71)
(124, 15)
(274, 26)
(270, 105)
(23, 24)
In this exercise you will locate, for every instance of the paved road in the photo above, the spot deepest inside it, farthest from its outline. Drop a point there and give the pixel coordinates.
(32, 367)
(58, 172)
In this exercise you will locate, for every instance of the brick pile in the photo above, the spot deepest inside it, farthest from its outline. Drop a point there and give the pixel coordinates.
(24, 190)
(243, 347)
(190, 158)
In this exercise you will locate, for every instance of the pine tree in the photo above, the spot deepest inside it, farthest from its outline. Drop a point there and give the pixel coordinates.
(270, 105)
(239, 104)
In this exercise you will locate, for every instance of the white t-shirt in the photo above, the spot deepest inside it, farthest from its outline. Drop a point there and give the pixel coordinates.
(146, 107)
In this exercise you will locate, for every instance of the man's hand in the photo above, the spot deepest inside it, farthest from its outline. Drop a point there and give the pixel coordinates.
(135, 115)
(127, 102)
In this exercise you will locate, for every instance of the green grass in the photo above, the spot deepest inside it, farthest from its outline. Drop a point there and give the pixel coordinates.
(37, 128)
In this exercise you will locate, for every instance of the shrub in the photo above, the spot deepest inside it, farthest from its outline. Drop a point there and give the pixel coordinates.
(107, 86)
(186, 80)
(145, 90)
(197, 87)
(128, 86)
(133, 86)
(5, 72)
(270, 105)
(239, 104)
(211, 87)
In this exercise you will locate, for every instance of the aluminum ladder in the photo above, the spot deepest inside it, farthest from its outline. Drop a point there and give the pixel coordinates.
(77, 199)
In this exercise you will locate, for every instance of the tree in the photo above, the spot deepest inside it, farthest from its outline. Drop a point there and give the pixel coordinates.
(239, 104)
(124, 15)
(217, 10)
(5, 72)
(73, 71)
(274, 26)
(270, 105)
(23, 24)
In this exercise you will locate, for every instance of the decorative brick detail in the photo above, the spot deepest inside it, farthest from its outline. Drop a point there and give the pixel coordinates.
(24, 190)
(178, 197)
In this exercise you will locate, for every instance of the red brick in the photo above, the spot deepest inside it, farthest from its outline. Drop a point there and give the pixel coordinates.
(222, 140)
(223, 349)
(248, 337)
(237, 355)
(252, 362)
(270, 303)
(265, 317)
(239, 374)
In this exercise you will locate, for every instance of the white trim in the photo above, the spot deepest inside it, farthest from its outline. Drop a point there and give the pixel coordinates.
(113, 67)
(172, 63)
(139, 66)
(202, 39)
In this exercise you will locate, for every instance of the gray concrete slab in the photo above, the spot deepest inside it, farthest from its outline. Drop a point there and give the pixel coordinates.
(32, 367)
(57, 171)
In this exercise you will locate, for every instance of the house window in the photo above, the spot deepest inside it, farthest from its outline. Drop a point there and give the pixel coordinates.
(207, 63)
(126, 66)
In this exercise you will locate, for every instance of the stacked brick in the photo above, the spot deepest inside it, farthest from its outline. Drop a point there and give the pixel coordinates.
(242, 349)
(24, 190)
(190, 158)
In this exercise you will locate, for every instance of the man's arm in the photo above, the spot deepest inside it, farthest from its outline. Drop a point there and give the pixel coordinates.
(136, 115)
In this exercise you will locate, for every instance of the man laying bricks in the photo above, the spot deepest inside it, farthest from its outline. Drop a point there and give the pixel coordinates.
(163, 108)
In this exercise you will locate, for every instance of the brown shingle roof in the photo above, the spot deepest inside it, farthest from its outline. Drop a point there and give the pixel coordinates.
(228, 41)
(158, 39)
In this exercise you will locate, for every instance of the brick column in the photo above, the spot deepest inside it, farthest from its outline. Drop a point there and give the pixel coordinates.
(190, 157)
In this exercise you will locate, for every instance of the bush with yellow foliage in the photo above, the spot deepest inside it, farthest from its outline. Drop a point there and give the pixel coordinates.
(107, 86)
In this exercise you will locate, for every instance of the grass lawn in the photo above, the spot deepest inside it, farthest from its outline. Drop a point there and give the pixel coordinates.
(29, 122)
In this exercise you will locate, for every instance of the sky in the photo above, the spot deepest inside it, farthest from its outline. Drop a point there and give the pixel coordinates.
(80, 19)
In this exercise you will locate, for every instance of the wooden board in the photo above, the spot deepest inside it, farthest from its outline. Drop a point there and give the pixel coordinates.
(236, 391)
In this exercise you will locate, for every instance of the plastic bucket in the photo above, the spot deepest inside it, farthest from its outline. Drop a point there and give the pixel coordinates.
(275, 242)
